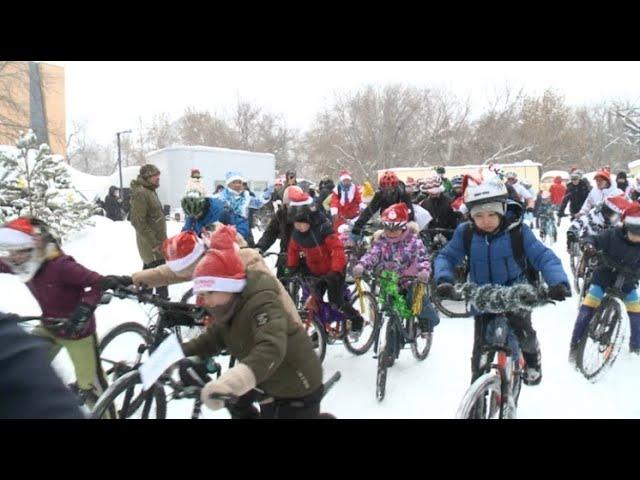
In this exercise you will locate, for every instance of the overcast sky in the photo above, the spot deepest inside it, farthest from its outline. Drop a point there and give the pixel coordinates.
(111, 96)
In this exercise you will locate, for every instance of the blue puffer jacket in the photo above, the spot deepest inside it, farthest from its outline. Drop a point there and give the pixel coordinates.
(492, 260)
(215, 213)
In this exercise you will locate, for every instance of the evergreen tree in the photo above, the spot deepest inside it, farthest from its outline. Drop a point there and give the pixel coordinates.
(36, 183)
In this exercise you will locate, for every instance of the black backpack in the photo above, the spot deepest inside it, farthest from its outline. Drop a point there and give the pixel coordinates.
(517, 244)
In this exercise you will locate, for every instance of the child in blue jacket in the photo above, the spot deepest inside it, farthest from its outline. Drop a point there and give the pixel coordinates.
(492, 261)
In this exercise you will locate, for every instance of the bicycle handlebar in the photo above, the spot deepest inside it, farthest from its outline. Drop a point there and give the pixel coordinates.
(500, 298)
(157, 300)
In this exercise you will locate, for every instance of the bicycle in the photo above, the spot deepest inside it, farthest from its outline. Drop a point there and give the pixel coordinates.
(325, 324)
(495, 393)
(606, 332)
(435, 240)
(548, 230)
(172, 314)
(399, 326)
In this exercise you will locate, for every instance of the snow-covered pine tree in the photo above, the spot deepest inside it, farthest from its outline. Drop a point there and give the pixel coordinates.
(34, 182)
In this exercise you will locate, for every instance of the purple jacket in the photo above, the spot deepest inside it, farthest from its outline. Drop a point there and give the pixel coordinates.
(60, 285)
(406, 255)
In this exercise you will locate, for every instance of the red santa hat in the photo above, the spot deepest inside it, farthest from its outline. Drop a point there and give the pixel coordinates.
(618, 203)
(297, 197)
(396, 214)
(631, 216)
(18, 232)
(221, 269)
(182, 250)
(344, 175)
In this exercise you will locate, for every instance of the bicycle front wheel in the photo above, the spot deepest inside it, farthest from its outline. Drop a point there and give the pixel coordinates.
(119, 349)
(421, 345)
(601, 343)
(483, 399)
(126, 397)
(370, 326)
(317, 334)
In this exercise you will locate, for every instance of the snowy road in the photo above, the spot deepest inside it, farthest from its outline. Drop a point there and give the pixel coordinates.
(429, 389)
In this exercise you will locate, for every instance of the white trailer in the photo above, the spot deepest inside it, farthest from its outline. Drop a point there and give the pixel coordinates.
(176, 163)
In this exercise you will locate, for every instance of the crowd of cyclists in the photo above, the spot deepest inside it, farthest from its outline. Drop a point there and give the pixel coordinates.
(487, 222)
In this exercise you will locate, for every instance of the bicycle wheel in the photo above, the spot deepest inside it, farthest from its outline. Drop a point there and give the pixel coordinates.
(183, 332)
(127, 398)
(599, 347)
(420, 346)
(119, 349)
(317, 333)
(370, 326)
(483, 399)
(450, 308)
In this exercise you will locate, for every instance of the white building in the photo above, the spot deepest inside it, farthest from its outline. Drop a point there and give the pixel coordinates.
(176, 163)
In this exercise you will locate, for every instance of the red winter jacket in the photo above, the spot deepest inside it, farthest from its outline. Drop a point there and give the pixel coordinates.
(557, 191)
(346, 210)
(322, 258)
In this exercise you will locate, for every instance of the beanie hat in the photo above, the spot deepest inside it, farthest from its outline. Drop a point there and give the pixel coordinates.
(345, 175)
(604, 174)
(232, 176)
(221, 269)
(297, 197)
(18, 232)
(182, 250)
(195, 173)
(631, 218)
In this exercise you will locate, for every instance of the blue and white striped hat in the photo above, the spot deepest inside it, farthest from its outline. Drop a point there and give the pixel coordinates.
(232, 176)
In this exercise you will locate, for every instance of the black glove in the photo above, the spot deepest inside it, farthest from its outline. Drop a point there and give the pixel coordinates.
(78, 320)
(111, 282)
(558, 292)
(589, 250)
(445, 290)
(190, 367)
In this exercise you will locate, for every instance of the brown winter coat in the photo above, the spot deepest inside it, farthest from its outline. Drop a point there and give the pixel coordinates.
(261, 334)
(147, 217)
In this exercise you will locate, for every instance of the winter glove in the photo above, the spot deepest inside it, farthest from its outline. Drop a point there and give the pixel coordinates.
(193, 372)
(236, 381)
(111, 282)
(558, 292)
(358, 270)
(423, 276)
(589, 250)
(445, 290)
(78, 320)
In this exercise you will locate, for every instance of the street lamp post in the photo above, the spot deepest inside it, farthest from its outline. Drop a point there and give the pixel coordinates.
(119, 157)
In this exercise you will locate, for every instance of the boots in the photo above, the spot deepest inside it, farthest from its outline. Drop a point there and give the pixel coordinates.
(533, 368)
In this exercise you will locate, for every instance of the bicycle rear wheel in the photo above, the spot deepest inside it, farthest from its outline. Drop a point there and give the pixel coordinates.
(369, 328)
(317, 334)
(126, 397)
(600, 345)
(482, 400)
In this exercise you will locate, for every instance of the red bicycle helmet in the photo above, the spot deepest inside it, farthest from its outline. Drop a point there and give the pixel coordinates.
(389, 180)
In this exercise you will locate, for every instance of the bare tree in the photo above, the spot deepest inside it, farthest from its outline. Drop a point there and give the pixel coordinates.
(14, 88)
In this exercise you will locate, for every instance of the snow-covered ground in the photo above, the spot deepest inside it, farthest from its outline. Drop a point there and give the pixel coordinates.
(429, 389)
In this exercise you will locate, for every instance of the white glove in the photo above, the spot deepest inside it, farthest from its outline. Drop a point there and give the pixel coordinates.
(236, 381)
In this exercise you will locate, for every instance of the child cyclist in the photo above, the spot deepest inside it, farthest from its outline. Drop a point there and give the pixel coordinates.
(399, 248)
(491, 240)
(314, 237)
(622, 245)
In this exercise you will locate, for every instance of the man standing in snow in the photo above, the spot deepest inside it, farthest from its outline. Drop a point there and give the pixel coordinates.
(147, 217)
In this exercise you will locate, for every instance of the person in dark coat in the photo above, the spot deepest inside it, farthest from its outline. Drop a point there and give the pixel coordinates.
(439, 206)
(29, 387)
(621, 181)
(112, 207)
(577, 192)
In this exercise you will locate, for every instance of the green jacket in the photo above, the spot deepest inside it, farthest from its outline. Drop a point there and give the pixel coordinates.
(271, 343)
(147, 217)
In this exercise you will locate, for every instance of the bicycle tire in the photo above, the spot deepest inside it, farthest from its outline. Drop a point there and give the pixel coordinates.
(438, 303)
(420, 352)
(122, 385)
(608, 324)
(319, 345)
(473, 405)
(123, 328)
(185, 333)
(374, 325)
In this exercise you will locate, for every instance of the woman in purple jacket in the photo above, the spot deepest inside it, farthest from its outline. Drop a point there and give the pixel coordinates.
(63, 289)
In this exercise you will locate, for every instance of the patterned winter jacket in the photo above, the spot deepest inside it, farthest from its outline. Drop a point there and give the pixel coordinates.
(590, 224)
(405, 255)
